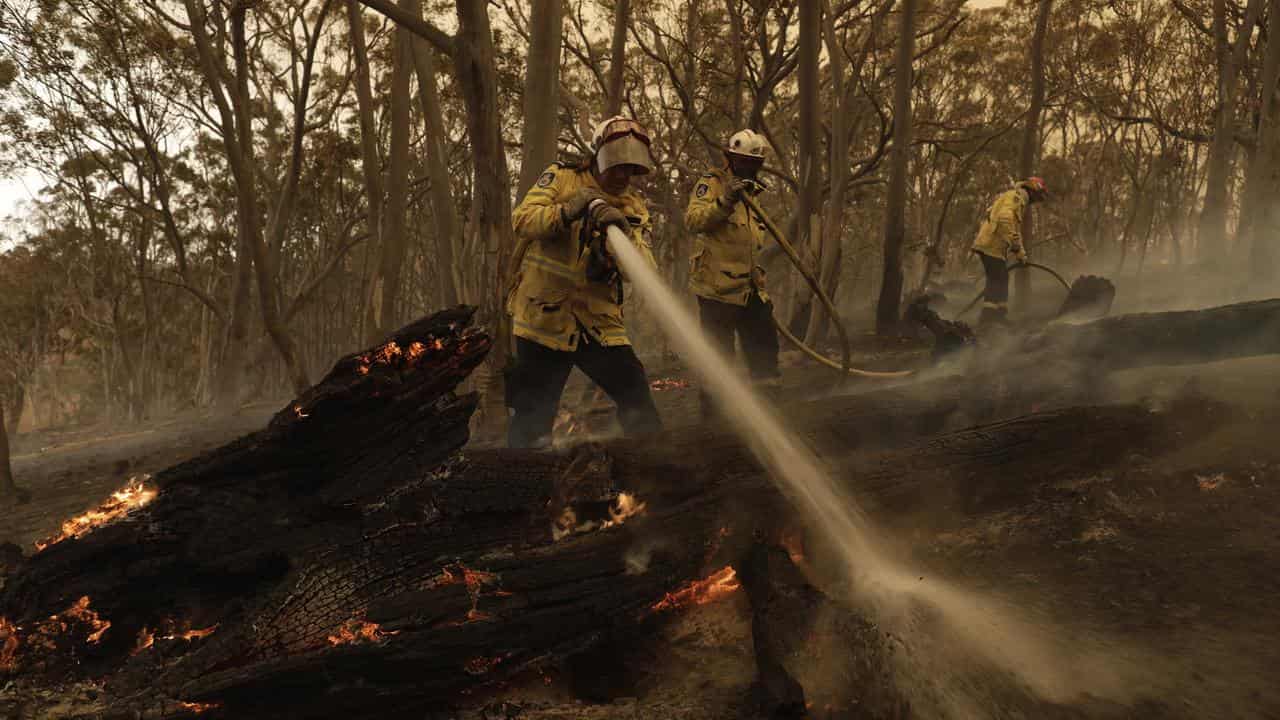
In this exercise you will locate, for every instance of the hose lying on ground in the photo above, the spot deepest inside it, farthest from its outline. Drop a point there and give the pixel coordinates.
(827, 305)
(1017, 266)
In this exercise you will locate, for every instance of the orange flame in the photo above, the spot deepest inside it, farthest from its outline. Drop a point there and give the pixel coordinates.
(720, 584)
(359, 631)
(146, 639)
(668, 384)
(81, 611)
(122, 502)
(194, 634)
(387, 353)
(198, 708)
(415, 351)
(9, 646)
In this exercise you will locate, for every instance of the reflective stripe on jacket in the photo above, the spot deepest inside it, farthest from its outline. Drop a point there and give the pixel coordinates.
(727, 246)
(1001, 233)
(553, 300)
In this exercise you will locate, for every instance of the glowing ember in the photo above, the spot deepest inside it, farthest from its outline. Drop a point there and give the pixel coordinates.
(193, 634)
(482, 665)
(719, 584)
(359, 631)
(146, 639)
(387, 353)
(668, 384)
(122, 502)
(8, 646)
(416, 349)
(81, 611)
(297, 412)
(198, 708)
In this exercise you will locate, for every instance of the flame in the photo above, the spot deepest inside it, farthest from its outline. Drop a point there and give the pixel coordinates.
(720, 584)
(198, 708)
(297, 412)
(146, 639)
(81, 611)
(9, 647)
(359, 631)
(416, 350)
(122, 502)
(668, 384)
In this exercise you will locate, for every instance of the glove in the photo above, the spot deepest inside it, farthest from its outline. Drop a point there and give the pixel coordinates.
(576, 206)
(1020, 254)
(734, 190)
(603, 214)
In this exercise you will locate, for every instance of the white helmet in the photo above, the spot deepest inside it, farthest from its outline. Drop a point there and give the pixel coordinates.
(748, 143)
(621, 141)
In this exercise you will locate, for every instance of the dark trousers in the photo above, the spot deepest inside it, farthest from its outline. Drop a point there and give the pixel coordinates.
(536, 380)
(995, 297)
(753, 325)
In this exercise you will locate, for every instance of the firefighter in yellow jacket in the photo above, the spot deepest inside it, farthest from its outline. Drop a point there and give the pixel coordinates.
(727, 268)
(1000, 240)
(566, 304)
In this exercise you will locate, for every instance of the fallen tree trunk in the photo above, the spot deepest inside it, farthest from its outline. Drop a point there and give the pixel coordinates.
(351, 562)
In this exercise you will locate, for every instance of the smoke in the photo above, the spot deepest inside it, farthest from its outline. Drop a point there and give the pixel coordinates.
(936, 622)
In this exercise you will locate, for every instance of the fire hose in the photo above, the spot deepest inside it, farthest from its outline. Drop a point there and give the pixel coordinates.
(827, 305)
(1011, 268)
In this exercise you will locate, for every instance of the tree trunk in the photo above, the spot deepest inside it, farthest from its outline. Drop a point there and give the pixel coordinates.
(809, 202)
(385, 310)
(490, 219)
(370, 163)
(1213, 217)
(7, 486)
(831, 250)
(737, 42)
(617, 57)
(443, 210)
(1257, 215)
(541, 91)
(1030, 156)
(888, 308)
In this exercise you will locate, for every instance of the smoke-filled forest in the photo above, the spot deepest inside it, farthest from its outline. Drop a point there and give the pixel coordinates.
(277, 280)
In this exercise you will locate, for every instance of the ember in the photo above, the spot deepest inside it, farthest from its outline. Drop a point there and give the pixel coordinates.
(122, 502)
(146, 639)
(198, 708)
(416, 350)
(358, 631)
(192, 634)
(668, 384)
(8, 646)
(718, 585)
(80, 611)
(482, 665)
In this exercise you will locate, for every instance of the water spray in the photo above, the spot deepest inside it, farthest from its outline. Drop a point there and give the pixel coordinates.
(890, 589)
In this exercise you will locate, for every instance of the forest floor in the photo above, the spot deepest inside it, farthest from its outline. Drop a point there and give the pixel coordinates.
(1171, 561)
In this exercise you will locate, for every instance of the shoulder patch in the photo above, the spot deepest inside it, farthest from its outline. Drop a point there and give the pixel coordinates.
(547, 178)
(702, 189)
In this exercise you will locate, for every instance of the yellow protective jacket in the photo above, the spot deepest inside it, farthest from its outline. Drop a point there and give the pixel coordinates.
(552, 301)
(728, 243)
(1001, 233)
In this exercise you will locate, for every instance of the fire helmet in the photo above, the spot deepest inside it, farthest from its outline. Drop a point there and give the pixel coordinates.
(748, 143)
(1036, 186)
(621, 141)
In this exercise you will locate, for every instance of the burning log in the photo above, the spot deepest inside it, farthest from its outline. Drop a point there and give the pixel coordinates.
(355, 564)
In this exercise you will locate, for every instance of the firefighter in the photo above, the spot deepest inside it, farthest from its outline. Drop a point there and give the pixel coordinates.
(566, 302)
(726, 270)
(1000, 240)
